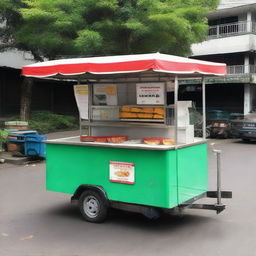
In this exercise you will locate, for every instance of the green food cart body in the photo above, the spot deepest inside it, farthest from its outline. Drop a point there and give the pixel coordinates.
(163, 178)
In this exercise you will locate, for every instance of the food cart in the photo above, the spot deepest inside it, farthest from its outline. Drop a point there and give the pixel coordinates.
(136, 150)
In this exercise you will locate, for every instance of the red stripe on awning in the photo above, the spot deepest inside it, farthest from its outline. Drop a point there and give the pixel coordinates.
(189, 67)
(68, 67)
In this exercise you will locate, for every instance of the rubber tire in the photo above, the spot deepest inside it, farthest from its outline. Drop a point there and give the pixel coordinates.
(246, 140)
(102, 207)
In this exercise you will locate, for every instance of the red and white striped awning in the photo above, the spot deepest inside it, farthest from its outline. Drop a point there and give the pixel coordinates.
(123, 64)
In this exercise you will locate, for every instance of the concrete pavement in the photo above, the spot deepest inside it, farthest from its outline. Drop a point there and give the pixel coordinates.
(36, 222)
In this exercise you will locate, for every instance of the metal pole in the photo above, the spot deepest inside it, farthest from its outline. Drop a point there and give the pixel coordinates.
(90, 99)
(165, 103)
(218, 152)
(204, 108)
(80, 125)
(176, 90)
(80, 119)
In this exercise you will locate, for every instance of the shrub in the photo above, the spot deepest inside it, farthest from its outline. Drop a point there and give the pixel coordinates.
(3, 139)
(46, 122)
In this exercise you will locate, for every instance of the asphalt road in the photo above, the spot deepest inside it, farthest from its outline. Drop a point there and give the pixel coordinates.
(36, 222)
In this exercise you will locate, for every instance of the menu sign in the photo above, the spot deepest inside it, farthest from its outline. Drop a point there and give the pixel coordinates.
(121, 172)
(105, 94)
(81, 95)
(148, 94)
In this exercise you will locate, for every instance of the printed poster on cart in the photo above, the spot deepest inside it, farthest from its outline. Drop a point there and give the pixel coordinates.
(81, 95)
(150, 93)
(105, 94)
(121, 172)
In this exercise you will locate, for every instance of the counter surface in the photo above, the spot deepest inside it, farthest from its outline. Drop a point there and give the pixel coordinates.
(76, 141)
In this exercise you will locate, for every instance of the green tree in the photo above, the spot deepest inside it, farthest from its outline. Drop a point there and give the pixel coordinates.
(105, 27)
(50, 28)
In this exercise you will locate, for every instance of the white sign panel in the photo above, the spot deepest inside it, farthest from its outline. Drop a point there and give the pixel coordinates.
(148, 94)
(121, 172)
(81, 95)
(105, 94)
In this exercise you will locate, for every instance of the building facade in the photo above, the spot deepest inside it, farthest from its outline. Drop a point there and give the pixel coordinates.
(232, 40)
(46, 95)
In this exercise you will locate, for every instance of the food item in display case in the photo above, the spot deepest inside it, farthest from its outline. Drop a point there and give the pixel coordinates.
(116, 139)
(158, 141)
(144, 115)
(111, 139)
(127, 112)
(101, 139)
(148, 110)
(93, 138)
(86, 138)
(125, 109)
(159, 111)
(152, 141)
(157, 116)
(168, 141)
(136, 110)
(128, 115)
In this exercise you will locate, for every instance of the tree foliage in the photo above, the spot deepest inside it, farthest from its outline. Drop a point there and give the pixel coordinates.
(105, 27)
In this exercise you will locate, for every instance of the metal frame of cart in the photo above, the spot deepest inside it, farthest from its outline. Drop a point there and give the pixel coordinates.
(130, 69)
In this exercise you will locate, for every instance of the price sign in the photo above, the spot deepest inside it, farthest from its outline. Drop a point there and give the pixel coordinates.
(148, 94)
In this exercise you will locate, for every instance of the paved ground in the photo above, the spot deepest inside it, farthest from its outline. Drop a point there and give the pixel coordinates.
(34, 222)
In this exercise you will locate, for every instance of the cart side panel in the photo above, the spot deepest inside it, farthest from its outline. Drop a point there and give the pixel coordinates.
(172, 180)
(69, 166)
(192, 168)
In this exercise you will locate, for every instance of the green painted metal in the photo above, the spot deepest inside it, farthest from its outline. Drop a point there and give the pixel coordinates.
(157, 175)
(192, 166)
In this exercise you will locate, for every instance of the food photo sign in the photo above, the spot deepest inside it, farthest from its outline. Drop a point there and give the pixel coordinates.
(148, 94)
(121, 172)
(105, 94)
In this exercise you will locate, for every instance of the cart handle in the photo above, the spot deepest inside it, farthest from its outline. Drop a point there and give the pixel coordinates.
(217, 152)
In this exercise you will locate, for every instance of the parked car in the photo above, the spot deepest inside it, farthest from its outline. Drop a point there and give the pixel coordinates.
(220, 129)
(218, 121)
(245, 128)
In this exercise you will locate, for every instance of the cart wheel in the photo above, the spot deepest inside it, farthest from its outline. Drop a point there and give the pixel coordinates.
(93, 207)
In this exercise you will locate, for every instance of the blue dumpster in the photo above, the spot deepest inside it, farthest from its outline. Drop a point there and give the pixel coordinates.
(34, 145)
(18, 138)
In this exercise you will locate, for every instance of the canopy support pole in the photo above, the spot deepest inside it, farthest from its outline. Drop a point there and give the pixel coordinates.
(176, 90)
(204, 107)
(90, 100)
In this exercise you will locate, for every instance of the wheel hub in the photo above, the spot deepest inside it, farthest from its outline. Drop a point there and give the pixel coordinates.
(91, 206)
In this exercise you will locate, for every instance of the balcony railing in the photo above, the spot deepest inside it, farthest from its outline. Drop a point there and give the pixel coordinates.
(231, 29)
(241, 69)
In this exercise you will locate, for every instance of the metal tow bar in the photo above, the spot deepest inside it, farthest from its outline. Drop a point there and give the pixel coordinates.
(219, 204)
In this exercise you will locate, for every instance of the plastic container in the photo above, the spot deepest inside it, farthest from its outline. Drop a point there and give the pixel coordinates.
(19, 136)
(34, 145)
(16, 140)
